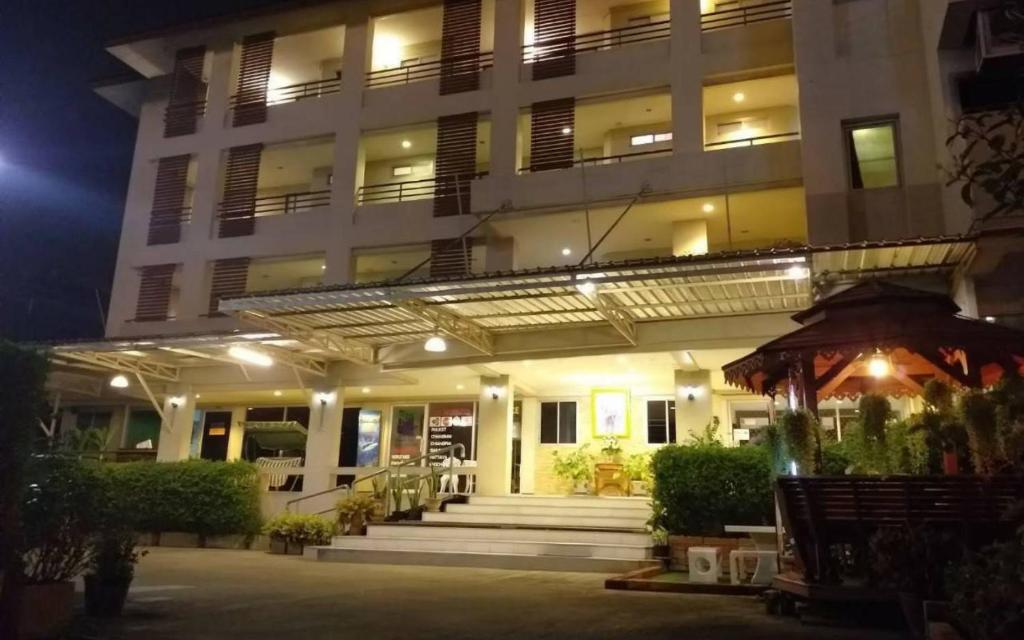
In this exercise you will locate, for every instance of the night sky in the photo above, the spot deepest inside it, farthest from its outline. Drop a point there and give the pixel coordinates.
(65, 156)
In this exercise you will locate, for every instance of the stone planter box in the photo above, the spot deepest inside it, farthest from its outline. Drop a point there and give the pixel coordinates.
(228, 542)
(46, 609)
(679, 545)
(178, 539)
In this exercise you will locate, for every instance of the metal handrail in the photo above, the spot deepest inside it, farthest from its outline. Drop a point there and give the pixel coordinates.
(616, 159)
(288, 505)
(460, 64)
(385, 192)
(752, 142)
(273, 205)
(554, 48)
(290, 93)
(746, 14)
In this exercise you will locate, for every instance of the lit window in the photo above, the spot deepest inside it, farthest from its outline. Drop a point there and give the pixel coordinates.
(636, 141)
(871, 147)
(663, 137)
(401, 170)
(558, 423)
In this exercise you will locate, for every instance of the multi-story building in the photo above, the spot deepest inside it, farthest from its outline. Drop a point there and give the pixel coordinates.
(360, 232)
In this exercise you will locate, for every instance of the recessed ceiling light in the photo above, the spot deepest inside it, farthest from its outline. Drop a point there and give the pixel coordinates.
(566, 131)
(120, 381)
(323, 267)
(739, 96)
(366, 389)
(406, 144)
(708, 208)
(566, 251)
(277, 393)
(460, 387)
(197, 396)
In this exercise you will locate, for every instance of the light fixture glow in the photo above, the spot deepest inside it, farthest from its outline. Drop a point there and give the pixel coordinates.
(990, 318)
(197, 396)
(435, 344)
(793, 468)
(691, 392)
(406, 144)
(246, 354)
(708, 208)
(120, 381)
(879, 365)
(366, 389)
(797, 272)
(460, 387)
(738, 97)
(566, 251)
(176, 401)
(277, 393)
(586, 287)
(566, 131)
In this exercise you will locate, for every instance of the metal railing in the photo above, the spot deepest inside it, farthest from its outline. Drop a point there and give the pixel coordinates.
(182, 116)
(752, 142)
(279, 204)
(453, 65)
(294, 92)
(603, 160)
(389, 192)
(741, 13)
(555, 48)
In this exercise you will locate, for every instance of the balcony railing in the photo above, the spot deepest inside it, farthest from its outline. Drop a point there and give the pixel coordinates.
(753, 141)
(165, 225)
(280, 204)
(734, 14)
(455, 65)
(296, 92)
(556, 48)
(180, 118)
(389, 192)
(603, 160)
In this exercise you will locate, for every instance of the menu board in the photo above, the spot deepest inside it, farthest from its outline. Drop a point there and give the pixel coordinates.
(406, 433)
(451, 423)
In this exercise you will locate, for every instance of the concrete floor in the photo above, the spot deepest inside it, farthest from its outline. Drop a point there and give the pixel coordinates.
(200, 593)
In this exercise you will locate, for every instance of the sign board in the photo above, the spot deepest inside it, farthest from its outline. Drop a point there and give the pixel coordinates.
(406, 433)
(368, 448)
(741, 435)
(451, 423)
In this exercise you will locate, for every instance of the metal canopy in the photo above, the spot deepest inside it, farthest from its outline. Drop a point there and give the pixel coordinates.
(475, 309)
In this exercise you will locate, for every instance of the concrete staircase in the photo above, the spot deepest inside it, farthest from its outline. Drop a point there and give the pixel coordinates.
(572, 533)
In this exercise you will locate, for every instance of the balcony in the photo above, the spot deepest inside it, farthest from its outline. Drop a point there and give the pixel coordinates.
(407, 48)
(400, 166)
(595, 132)
(729, 14)
(441, 258)
(751, 113)
(293, 272)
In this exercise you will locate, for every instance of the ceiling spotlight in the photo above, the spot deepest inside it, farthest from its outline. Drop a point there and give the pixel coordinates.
(879, 365)
(460, 387)
(406, 144)
(197, 396)
(990, 318)
(120, 381)
(435, 344)
(246, 354)
(566, 131)
(586, 287)
(277, 393)
(566, 251)
(708, 208)
(738, 97)
(366, 389)
(796, 272)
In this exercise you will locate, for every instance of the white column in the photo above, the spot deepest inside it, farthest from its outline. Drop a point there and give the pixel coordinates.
(176, 427)
(494, 437)
(324, 438)
(693, 403)
(687, 77)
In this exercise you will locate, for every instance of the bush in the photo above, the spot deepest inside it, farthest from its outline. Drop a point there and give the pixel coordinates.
(704, 488)
(301, 529)
(801, 437)
(988, 592)
(193, 496)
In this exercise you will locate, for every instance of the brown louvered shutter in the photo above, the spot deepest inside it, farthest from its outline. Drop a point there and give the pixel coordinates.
(187, 101)
(154, 292)
(238, 208)
(451, 257)
(253, 76)
(552, 131)
(169, 211)
(460, 46)
(554, 31)
(229, 279)
(455, 163)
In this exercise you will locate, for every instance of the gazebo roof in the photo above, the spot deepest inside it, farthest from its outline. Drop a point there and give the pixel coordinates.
(917, 332)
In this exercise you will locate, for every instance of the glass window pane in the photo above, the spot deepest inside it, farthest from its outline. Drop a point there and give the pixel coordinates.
(873, 156)
(671, 410)
(549, 422)
(142, 426)
(646, 138)
(567, 422)
(656, 421)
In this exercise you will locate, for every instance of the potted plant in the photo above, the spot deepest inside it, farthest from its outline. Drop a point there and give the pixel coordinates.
(380, 498)
(433, 482)
(638, 470)
(944, 436)
(611, 450)
(660, 548)
(575, 468)
(353, 512)
(610, 475)
(290, 532)
(111, 571)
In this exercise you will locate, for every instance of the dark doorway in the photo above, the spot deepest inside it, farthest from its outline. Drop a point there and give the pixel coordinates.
(348, 453)
(216, 428)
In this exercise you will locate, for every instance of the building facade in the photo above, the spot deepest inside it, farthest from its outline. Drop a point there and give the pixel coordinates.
(358, 233)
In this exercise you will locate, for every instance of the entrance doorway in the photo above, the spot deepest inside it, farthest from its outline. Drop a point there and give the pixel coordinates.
(216, 428)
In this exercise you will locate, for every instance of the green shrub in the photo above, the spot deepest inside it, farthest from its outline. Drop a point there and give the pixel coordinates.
(836, 458)
(801, 436)
(193, 496)
(704, 488)
(304, 529)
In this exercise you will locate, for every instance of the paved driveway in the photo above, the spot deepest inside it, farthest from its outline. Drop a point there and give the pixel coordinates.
(200, 593)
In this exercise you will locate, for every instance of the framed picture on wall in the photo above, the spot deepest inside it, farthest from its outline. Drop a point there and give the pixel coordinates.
(609, 412)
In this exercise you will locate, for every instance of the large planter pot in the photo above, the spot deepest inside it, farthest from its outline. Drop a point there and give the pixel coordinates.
(295, 548)
(637, 488)
(357, 526)
(46, 609)
(179, 539)
(434, 504)
(278, 545)
(611, 479)
(105, 598)
(913, 612)
(239, 541)
(378, 513)
(580, 488)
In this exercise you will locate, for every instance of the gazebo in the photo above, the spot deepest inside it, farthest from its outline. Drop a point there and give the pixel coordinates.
(878, 337)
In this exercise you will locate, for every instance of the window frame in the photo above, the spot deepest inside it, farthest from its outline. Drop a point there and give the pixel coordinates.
(850, 125)
(670, 420)
(558, 426)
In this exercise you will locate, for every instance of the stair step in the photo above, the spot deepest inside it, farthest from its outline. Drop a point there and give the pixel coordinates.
(595, 511)
(482, 560)
(440, 545)
(538, 520)
(564, 501)
(469, 531)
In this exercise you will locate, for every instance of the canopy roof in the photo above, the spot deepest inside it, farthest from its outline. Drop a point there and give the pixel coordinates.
(916, 334)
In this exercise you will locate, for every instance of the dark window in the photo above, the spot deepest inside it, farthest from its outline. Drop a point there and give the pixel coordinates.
(558, 423)
(264, 414)
(661, 421)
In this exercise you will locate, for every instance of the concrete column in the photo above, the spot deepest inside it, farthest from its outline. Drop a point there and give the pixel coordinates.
(176, 427)
(324, 439)
(693, 403)
(494, 436)
(508, 31)
(687, 78)
(530, 436)
(221, 84)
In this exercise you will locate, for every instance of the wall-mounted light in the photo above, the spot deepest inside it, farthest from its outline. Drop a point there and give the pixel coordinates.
(324, 397)
(120, 381)
(494, 391)
(176, 401)
(691, 392)
(250, 356)
(435, 344)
